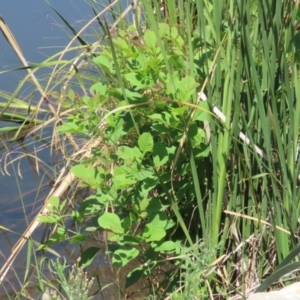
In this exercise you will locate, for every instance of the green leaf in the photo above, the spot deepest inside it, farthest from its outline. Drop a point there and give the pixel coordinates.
(167, 246)
(117, 132)
(113, 237)
(171, 151)
(111, 221)
(177, 61)
(88, 256)
(145, 142)
(202, 151)
(132, 95)
(124, 255)
(188, 83)
(103, 61)
(202, 114)
(159, 220)
(141, 59)
(129, 154)
(144, 204)
(163, 29)
(174, 32)
(49, 219)
(128, 239)
(197, 135)
(172, 83)
(155, 229)
(89, 206)
(134, 276)
(155, 206)
(122, 181)
(60, 231)
(62, 205)
(150, 39)
(187, 87)
(143, 174)
(155, 64)
(91, 229)
(160, 154)
(89, 175)
(98, 88)
(179, 42)
(53, 202)
(78, 238)
(68, 127)
(152, 234)
(121, 43)
(71, 95)
(135, 79)
(59, 234)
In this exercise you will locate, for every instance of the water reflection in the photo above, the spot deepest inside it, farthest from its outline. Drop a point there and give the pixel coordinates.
(28, 166)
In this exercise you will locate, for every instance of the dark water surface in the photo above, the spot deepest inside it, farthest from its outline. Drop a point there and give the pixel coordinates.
(40, 33)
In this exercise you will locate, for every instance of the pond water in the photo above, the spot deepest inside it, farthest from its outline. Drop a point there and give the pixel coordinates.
(40, 33)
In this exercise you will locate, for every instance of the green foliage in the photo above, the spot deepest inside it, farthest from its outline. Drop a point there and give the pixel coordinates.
(143, 143)
(169, 173)
(195, 270)
(75, 285)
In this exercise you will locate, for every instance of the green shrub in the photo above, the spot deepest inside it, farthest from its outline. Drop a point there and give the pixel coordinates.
(168, 173)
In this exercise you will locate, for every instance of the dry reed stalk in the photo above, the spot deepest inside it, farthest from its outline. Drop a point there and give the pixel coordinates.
(78, 61)
(74, 65)
(15, 46)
